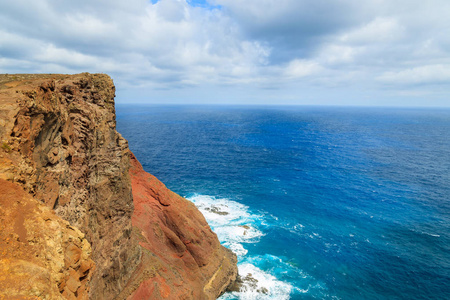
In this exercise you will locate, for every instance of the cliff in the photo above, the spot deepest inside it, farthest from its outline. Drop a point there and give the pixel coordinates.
(77, 206)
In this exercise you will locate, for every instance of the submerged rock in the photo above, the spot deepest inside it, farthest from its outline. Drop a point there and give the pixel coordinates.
(216, 210)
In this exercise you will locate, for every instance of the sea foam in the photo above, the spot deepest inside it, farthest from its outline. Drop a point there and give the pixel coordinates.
(231, 221)
(236, 226)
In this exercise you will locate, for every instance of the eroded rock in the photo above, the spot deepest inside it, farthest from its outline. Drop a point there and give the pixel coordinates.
(191, 262)
(58, 143)
(41, 255)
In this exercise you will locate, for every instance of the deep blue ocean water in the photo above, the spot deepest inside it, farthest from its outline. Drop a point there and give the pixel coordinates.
(318, 202)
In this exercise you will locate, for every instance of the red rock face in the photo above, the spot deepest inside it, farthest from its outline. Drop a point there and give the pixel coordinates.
(192, 263)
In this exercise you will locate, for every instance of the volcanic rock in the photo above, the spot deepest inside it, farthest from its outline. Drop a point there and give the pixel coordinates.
(60, 151)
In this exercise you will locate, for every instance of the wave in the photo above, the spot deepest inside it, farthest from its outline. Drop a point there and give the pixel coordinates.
(236, 225)
(232, 221)
(257, 284)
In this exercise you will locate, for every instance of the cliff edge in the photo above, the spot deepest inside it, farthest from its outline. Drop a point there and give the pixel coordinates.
(77, 206)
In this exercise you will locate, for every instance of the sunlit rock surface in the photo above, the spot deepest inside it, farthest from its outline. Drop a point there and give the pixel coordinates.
(59, 148)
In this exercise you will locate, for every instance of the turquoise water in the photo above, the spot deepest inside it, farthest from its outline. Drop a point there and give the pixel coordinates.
(318, 203)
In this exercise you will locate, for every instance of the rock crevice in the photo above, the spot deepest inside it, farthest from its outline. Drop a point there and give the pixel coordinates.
(59, 146)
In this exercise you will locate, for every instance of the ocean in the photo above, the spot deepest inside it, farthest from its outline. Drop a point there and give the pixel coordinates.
(317, 202)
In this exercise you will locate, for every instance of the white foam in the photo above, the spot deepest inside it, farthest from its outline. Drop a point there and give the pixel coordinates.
(292, 227)
(220, 211)
(435, 235)
(299, 227)
(260, 285)
(426, 233)
(236, 248)
(235, 226)
(230, 220)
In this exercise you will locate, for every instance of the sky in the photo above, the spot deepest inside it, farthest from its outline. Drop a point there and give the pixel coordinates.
(270, 52)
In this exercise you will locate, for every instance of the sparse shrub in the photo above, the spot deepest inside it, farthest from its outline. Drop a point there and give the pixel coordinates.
(6, 147)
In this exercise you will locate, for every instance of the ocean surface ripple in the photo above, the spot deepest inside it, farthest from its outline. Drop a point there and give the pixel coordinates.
(317, 202)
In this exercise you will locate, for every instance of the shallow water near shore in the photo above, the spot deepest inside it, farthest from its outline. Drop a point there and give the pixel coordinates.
(317, 202)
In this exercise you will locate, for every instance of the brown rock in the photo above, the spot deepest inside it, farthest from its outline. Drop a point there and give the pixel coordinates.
(58, 142)
(66, 152)
(34, 245)
(72, 284)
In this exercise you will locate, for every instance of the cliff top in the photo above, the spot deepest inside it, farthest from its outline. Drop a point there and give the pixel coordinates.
(8, 81)
(13, 80)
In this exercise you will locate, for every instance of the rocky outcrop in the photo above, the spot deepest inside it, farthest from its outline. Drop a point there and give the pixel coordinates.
(191, 262)
(59, 144)
(41, 255)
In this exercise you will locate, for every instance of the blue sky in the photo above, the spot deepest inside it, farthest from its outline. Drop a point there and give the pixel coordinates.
(322, 52)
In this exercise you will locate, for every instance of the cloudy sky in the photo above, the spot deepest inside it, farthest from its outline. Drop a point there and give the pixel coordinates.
(324, 52)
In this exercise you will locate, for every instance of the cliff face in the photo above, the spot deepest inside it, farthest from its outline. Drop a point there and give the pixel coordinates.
(59, 144)
(191, 262)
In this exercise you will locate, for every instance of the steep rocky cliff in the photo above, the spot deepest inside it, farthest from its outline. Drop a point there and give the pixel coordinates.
(62, 161)
(177, 234)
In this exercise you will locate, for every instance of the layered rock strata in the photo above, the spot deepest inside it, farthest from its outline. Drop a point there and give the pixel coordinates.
(60, 150)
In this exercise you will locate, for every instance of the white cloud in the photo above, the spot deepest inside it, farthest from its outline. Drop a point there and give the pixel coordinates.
(379, 30)
(430, 74)
(250, 44)
(337, 54)
(301, 68)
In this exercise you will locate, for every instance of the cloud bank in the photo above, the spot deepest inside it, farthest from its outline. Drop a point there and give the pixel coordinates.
(230, 51)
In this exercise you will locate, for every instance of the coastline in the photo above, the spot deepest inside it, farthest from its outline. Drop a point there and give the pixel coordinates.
(60, 145)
